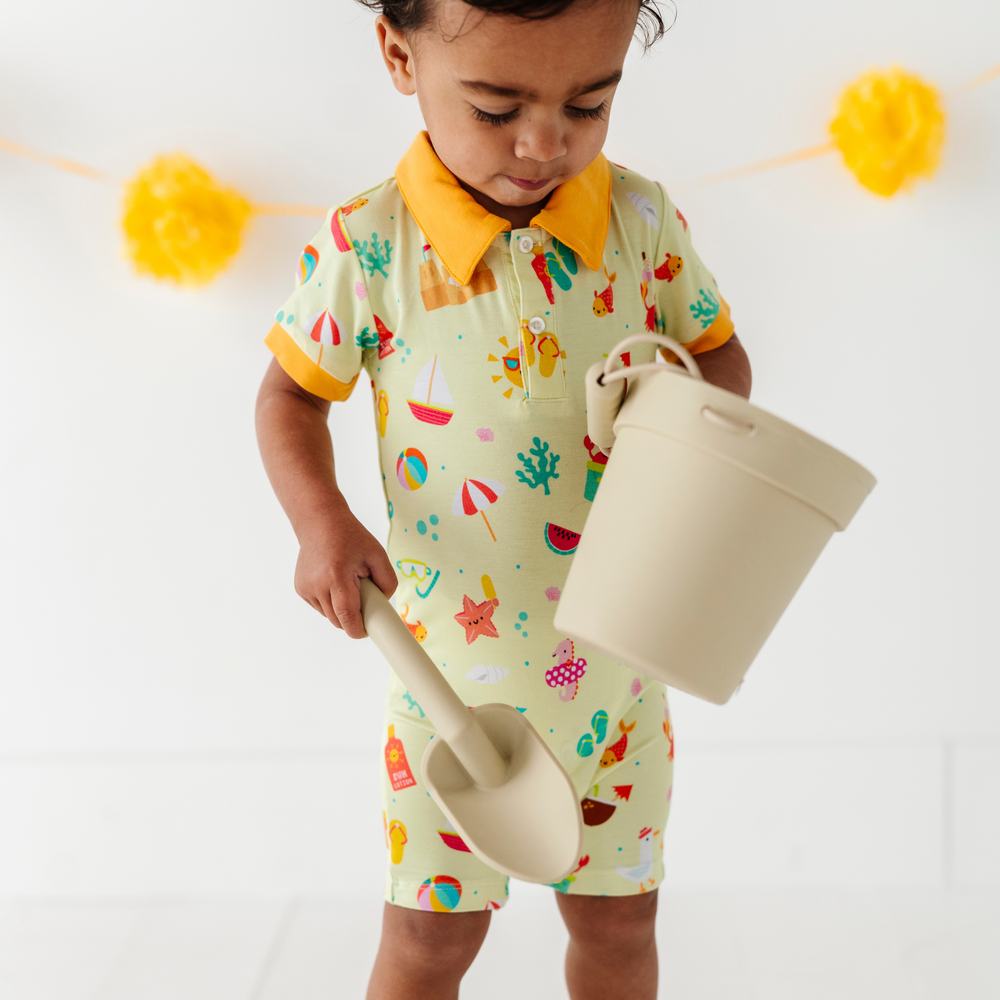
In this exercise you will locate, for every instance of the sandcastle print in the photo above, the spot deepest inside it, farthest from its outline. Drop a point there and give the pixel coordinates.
(437, 289)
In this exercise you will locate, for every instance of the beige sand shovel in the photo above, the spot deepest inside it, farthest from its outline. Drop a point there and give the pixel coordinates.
(488, 769)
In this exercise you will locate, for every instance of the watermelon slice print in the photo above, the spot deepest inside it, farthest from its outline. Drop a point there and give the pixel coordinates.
(562, 541)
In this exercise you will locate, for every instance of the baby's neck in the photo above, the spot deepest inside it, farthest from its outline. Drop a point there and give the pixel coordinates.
(519, 216)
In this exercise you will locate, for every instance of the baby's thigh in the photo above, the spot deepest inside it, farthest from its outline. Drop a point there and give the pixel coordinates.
(429, 866)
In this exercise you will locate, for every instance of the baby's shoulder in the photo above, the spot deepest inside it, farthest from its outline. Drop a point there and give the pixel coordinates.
(632, 192)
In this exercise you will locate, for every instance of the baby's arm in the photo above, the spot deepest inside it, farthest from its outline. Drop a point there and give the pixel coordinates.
(727, 366)
(335, 549)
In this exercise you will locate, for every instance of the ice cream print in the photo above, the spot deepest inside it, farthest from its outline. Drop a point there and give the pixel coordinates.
(567, 672)
(400, 775)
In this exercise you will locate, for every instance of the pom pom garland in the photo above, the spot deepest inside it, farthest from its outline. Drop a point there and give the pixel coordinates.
(889, 126)
(179, 223)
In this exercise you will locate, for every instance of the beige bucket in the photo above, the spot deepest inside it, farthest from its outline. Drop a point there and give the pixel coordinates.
(709, 515)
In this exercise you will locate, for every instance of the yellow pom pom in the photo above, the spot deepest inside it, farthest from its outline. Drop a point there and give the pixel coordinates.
(179, 223)
(890, 128)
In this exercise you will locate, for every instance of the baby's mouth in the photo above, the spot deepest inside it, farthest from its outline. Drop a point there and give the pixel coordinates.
(527, 185)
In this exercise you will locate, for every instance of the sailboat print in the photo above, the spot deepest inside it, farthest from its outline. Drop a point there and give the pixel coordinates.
(431, 402)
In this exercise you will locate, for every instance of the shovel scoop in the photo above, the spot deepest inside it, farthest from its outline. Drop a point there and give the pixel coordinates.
(487, 768)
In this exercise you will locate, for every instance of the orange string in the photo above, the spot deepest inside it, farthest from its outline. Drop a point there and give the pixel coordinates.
(976, 82)
(759, 167)
(59, 162)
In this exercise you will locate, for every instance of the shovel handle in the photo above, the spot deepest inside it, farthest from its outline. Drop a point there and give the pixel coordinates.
(455, 724)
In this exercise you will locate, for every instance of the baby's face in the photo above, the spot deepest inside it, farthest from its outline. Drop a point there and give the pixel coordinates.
(511, 100)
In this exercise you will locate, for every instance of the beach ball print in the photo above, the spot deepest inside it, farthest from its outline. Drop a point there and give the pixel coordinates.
(307, 264)
(411, 469)
(439, 894)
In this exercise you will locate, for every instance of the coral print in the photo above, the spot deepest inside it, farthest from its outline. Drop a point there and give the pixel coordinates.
(477, 619)
(643, 871)
(706, 309)
(670, 268)
(400, 775)
(616, 752)
(535, 477)
(366, 338)
(567, 672)
(604, 302)
(375, 259)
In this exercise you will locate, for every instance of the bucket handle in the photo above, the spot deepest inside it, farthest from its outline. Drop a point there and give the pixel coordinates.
(612, 374)
(741, 427)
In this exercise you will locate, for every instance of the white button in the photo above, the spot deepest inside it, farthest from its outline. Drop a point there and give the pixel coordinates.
(525, 243)
(536, 324)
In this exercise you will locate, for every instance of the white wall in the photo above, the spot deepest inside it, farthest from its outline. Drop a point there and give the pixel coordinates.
(173, 718)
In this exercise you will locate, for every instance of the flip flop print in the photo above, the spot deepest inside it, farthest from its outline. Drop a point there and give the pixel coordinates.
(599, 723)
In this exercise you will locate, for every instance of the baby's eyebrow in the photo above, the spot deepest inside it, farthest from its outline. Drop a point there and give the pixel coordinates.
(496, 90)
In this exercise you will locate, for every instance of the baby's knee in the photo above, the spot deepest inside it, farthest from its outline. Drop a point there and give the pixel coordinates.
(618, 923)
(435, 940)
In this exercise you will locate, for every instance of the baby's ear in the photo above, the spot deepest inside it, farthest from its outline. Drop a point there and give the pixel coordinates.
(397, 54)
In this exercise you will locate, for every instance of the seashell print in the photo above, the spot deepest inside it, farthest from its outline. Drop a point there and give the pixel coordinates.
(644, 207)
(487, 674)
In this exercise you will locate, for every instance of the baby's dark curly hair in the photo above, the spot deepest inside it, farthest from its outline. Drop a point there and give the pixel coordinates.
(413, 15)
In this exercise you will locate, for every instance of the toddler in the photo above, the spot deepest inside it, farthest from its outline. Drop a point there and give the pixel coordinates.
(474, 288)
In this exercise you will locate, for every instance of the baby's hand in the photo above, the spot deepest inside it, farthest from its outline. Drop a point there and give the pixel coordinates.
(334, 555)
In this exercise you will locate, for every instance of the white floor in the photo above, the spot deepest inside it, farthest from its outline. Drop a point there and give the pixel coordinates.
(714, 945)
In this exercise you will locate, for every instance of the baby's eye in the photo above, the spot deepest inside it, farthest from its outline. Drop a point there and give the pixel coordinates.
(595, 113)
(485, 116)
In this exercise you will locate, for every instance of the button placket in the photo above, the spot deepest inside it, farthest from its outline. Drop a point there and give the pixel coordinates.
(542, 362)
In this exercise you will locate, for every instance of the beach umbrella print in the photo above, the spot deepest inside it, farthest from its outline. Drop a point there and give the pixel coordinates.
(324, 329)
(474, 496)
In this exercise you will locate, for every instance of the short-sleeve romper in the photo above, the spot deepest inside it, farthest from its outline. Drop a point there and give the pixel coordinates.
(475, 339)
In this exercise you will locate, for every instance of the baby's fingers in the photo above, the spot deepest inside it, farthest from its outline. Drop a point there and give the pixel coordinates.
(347, 606)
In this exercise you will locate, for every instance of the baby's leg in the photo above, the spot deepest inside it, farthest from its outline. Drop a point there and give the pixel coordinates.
(423, 956)
(612, 947)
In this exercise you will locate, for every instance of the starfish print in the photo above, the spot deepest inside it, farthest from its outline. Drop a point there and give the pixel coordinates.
(477, 619)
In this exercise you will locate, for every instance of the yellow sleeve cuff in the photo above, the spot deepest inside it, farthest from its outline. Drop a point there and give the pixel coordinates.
(303, 370)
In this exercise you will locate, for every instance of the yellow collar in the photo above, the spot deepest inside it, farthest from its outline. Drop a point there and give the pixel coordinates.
(460, 229)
